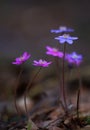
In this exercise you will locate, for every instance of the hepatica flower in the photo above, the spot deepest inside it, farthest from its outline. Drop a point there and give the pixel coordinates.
(62, 29)
(66, 38)
(24, 57)
(41, 63)
(53, 52)
(74, 58)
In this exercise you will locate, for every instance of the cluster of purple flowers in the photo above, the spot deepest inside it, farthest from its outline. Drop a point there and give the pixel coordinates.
(72, 58)
(25, 56)
(65, 38)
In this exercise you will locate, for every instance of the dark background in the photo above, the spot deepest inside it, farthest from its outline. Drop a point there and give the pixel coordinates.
(25, 26)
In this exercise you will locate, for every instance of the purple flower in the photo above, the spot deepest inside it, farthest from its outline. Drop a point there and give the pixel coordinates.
(54, 52)
(41, 63)
(62, 29)
(21, 59)
(66, 38)
(74, 58)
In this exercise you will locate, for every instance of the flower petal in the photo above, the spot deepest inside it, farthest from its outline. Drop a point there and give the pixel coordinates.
(62, 40)
(70, 41)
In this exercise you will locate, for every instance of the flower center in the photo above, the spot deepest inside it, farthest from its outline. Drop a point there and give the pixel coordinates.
(75, 57)
(66, 35)
(63, 28)
(21, 58)
(55, 50)
(41, 62)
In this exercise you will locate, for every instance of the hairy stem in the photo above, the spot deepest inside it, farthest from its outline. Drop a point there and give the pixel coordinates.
(59, 78)
(58, 72)
(15, 91)
(78, 102)
(27, 89)
(78, 93)
(63, 78)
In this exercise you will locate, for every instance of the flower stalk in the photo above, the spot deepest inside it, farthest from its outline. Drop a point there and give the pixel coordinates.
(19, 61)
(15, 91)
(63, 78)
(28, 88)
(78, 93)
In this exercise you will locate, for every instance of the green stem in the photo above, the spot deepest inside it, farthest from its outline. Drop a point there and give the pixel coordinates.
(27, 89)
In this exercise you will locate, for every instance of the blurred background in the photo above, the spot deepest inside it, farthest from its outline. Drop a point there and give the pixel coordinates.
(25, 26)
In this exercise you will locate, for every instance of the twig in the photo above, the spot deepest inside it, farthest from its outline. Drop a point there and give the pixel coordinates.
(57, 121)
